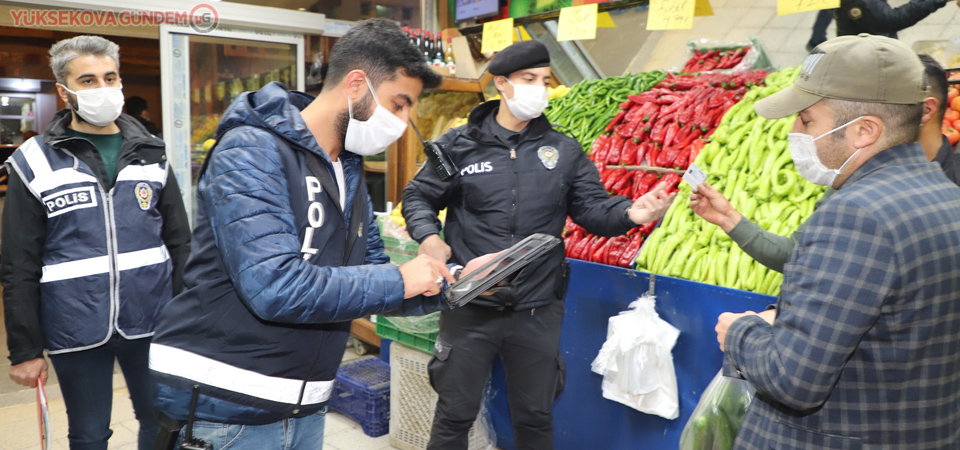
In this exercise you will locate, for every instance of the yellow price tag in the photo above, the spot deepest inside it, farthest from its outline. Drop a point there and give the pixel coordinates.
(577, 23)
(702, 8)
(785, 7)
(670, 14)
(604, 20)
(497, 35)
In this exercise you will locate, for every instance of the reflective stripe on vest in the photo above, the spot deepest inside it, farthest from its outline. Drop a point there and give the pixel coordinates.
(189, 365)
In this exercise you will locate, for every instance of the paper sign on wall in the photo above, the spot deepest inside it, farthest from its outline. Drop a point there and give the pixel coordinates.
(605, 21)
(577, 23)
(785, 7)
(497, 35)
(670, 14)
(702, 8)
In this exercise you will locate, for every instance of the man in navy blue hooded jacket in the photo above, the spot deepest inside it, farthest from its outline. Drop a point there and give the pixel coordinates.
(287, 251)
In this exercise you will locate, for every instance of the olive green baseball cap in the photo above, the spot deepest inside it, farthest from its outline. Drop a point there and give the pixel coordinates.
(862, 68)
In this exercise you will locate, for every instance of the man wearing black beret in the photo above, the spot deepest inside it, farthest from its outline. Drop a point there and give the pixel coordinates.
(517, 177)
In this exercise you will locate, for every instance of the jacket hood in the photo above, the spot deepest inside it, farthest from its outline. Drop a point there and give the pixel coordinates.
(274, 108)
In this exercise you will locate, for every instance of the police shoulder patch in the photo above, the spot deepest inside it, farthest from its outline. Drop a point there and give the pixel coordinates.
(549, 157)
(144, 194)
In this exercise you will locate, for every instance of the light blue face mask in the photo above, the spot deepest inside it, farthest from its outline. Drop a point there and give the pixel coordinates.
(803, 149)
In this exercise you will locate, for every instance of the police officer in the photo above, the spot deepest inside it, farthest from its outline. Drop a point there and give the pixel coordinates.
(878, 17)
(517, 177)
(95, 239)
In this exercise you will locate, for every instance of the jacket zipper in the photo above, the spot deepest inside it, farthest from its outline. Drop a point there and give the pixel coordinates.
(112, 257)
(516, 194)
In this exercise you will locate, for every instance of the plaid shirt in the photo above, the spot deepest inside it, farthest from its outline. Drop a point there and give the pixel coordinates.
(865, 350)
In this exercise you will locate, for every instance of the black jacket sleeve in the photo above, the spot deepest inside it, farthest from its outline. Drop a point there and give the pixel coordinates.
(424, 197)
(176, 228)
(591, 207)
(21, 246)
(878, 17)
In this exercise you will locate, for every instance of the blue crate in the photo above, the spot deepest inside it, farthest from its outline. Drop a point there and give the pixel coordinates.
(362, 392)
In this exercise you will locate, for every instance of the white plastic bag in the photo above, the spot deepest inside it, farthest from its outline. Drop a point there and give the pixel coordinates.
(636, 360)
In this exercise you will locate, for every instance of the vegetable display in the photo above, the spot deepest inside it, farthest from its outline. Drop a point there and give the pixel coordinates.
(661, 127)
(590, 104)
(748, 161)
(714, 59)
(951, 119)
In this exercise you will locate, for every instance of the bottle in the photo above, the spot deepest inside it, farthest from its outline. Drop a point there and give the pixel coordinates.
(448, 57)
(419, 39)
(438, 51)
(426, 47)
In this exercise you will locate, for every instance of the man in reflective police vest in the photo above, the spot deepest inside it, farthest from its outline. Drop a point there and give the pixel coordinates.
(95, 237)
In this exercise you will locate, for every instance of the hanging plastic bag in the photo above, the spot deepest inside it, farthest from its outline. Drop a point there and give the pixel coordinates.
(716, 419)
(636, 360)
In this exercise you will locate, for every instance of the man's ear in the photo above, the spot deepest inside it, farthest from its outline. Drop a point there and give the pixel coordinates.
(62, 92)
(931, 106)
(868, 131)
(355, 83)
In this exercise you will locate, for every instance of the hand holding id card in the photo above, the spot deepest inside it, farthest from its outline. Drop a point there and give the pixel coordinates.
(694, 176)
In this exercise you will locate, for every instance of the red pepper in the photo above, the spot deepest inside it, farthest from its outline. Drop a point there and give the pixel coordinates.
(630, 252)
(615, 148)
(601, 166)
(582, 248)
(617, 246)
(683, 159)
(601, 155)
(667, 157)
(647, 182)
(647, 228)
(598, 144)
(672, 180)
(596, 250)
(667, 99)
(616, 119)
(653, 153)
(633, 112)
(623, 183)
(641, 152)
(570, 242)
(605, 176)
(569, 226)
(695, 149)
(612, 180)
(670, 134)
(628, 155)
(658, 132)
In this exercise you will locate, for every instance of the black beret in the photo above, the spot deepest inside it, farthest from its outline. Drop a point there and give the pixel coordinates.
(519, 56)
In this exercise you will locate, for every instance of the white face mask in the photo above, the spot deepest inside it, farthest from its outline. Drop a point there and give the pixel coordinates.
(376, 133)
(101, 106)
(528, 101)
(804, 152)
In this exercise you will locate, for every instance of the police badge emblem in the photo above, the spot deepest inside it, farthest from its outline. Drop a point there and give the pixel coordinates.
(548, 156)
(144, 194)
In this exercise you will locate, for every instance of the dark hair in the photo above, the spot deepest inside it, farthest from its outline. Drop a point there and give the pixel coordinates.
(135, 106)
(936, 82)
(379, 48)
(901, 122)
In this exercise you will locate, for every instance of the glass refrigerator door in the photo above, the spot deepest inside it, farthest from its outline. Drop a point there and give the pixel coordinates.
(202, 74)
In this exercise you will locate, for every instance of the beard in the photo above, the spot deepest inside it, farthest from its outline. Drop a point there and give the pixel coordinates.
(362, 111)
(75, 106)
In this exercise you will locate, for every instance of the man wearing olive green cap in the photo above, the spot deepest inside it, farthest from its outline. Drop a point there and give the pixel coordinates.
(865, 348)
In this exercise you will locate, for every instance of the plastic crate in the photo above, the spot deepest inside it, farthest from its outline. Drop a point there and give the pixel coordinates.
(414, 403)
(362, 392)
(423, 342)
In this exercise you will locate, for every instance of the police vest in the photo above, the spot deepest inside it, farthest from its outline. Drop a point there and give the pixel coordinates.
(105, 266)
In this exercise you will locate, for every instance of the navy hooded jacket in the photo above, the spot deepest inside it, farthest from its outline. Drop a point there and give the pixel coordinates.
(272, 282)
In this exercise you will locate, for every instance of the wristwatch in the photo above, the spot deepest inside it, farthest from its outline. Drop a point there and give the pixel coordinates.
(626, 212)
